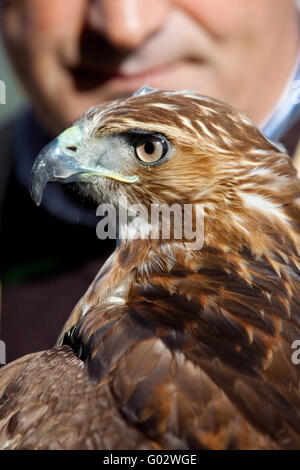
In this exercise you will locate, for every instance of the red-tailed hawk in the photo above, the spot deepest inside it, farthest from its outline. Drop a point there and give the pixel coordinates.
(172, 347)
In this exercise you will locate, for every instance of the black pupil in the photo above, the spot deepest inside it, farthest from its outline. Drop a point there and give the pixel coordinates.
(149, 148)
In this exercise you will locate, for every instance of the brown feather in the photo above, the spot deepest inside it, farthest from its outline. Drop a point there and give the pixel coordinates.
(172, 348)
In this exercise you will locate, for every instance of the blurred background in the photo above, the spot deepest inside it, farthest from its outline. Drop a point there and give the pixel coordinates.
(14, 95)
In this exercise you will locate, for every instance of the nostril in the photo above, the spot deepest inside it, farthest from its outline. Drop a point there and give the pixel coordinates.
(73, 148)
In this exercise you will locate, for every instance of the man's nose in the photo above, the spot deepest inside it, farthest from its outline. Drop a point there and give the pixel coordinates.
(126, 24)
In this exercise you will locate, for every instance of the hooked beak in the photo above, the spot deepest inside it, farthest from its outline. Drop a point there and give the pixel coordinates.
(59, 161)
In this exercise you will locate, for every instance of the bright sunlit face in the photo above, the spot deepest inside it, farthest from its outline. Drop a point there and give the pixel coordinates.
(73, 54)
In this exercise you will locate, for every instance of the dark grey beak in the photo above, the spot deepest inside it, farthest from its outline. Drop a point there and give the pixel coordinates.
(52, 165)
(62, 160)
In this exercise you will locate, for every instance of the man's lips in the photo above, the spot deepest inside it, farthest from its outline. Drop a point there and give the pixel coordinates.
(87, 77)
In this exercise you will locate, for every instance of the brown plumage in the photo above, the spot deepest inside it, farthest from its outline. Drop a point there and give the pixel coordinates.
(173, 348)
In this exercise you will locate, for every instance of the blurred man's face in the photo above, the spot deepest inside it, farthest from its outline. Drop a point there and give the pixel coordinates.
(72, 54)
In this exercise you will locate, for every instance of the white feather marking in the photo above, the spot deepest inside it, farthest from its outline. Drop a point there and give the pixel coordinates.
(264, 205)
(169, 107)
(115, 300)
(6, 444)
(187, 122)
(227, 141)
(239, 223)
(261, 171)
(205, 129)
(259, 152)
(199, 97)
(85, 309)
(246, 120)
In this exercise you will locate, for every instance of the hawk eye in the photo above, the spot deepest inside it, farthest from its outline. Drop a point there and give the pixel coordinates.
(150, 149)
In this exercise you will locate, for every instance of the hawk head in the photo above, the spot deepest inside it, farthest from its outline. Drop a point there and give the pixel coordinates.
(171, 147)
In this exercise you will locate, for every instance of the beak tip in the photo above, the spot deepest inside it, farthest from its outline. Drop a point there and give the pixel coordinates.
(42, 171)
(36, 191)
